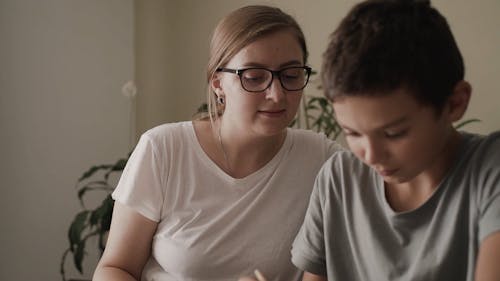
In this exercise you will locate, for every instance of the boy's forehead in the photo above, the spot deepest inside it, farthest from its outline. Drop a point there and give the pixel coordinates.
(398, 95)
(373, 110)
(401, 90)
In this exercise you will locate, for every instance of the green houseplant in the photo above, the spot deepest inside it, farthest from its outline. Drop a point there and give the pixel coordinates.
(91, 223)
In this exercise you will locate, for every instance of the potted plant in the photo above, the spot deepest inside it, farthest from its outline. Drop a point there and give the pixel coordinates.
(89, 223)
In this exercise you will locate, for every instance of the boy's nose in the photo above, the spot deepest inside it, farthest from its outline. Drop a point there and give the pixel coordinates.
(373, 153)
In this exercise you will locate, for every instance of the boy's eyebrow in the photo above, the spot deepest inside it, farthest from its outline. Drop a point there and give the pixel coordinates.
(395, 122)
(385, 126)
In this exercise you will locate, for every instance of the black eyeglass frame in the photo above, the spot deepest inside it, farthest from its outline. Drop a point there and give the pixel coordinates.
(274, 73)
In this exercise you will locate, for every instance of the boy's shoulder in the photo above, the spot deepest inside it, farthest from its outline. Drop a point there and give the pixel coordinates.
(345, 158)
(482, 147)
(479, 158)
(344, 165)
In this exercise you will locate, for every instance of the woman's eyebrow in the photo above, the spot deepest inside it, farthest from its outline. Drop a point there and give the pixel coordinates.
(260, 65)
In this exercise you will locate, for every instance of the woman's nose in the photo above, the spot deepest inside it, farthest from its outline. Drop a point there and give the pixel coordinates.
(275, 92)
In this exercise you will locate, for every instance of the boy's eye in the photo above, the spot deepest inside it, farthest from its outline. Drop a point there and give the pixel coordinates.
(395, 134)
(349, 133)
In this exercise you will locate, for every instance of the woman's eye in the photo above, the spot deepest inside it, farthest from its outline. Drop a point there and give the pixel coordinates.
(254, 79)
(290, 77)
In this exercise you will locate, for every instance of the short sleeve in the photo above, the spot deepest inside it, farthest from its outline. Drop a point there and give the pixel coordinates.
(489, 221)
(332, 146)
(489, 182)
(308, 249)
(140, 185)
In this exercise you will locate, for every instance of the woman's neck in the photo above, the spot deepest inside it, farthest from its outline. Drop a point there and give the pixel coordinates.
(245, 152)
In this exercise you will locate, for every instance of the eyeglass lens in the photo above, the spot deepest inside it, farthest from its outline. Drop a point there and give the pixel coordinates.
(258, 79)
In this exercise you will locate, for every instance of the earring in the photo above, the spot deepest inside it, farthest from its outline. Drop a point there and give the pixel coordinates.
(220, 99)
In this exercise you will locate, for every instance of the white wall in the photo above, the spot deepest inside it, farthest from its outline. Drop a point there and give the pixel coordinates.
(62, 65)
(474, 24)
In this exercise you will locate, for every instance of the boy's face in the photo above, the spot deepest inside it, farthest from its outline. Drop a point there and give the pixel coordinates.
(394, 134)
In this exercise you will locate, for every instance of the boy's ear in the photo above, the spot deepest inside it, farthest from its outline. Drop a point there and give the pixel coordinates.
(459, 100)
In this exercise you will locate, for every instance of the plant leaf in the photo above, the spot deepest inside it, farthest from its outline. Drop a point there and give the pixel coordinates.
(465, 122)
(106, 213)
(92, 170)
(77, 227)
(118, 166)
(202, 108)
(97, 185)
(78, 256)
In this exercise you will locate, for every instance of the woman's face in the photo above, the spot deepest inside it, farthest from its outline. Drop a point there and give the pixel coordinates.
(270, 111)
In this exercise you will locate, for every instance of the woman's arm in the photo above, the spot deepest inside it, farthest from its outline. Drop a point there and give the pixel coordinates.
(312, 277)
(487, 267)
(128, 246)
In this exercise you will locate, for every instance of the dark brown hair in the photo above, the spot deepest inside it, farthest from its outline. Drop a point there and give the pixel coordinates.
(383, 45)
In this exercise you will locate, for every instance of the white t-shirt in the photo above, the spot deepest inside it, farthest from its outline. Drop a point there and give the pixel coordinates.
(211, 225)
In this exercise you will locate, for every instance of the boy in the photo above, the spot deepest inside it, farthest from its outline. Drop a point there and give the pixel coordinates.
(414, 199)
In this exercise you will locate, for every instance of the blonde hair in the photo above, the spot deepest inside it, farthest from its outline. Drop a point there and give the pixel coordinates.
(237, 30)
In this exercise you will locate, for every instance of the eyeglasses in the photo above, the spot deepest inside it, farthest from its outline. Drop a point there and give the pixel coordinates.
(258, 79)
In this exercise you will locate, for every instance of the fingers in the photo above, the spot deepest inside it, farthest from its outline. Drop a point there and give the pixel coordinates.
(246, 279)
(257, 273)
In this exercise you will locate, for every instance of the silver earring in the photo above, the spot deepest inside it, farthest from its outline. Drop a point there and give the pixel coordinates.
(220, 99)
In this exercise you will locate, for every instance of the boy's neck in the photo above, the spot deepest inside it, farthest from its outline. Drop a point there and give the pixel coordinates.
(412, 194)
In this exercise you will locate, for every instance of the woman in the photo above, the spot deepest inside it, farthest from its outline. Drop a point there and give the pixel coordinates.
(216, 198)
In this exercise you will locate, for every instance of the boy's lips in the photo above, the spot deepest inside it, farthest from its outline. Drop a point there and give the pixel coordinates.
(386, 172)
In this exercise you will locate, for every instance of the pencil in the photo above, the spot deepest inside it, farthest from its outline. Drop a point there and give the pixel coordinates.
(259, 275)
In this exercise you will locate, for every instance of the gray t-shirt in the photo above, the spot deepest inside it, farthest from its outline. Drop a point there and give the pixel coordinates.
(351, 233)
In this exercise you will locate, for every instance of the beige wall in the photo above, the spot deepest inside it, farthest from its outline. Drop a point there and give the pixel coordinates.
(186, 31)
(62, 66)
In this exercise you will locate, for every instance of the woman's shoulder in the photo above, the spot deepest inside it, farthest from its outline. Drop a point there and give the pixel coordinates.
(168, 135)
(169, 129)
(310, 142)
(305, 135)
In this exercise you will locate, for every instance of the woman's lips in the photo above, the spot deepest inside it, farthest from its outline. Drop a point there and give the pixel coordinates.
(272, 113)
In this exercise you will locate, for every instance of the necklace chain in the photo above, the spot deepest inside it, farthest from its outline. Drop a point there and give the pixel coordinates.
(222, 148)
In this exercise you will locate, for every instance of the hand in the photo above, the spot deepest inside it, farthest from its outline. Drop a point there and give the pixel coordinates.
(247, 279)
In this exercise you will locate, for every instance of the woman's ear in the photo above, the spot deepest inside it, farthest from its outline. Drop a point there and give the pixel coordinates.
(459, 100)
(216, 84)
